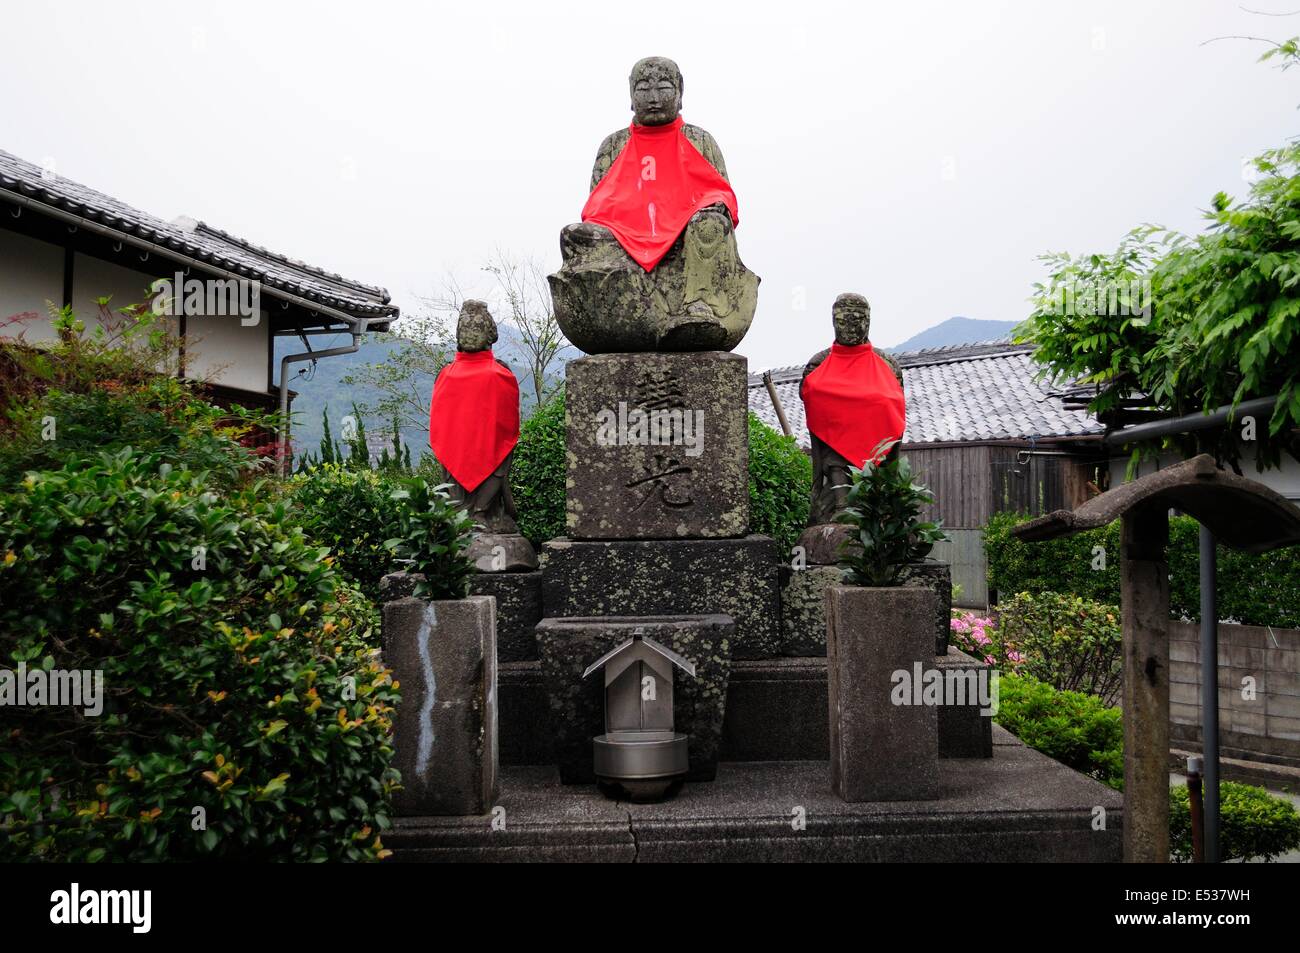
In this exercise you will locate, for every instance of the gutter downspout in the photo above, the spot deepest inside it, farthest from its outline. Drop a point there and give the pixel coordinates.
(284, 389)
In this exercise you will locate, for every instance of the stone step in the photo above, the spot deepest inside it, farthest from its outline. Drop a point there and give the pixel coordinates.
(777, 710)
(1021, 806)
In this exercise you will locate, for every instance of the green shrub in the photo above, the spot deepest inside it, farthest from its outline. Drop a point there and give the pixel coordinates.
(1071, 643)
(1076, 729)
(1261, 589)
(537, 473)
(1082, 733)
(433, 534)
(1252, 823)
(353, 512)
(884, 506)
(159, 416)
(246, 712)
(780, 483)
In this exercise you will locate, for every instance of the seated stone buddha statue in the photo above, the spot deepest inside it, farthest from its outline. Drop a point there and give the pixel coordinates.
(653, 265)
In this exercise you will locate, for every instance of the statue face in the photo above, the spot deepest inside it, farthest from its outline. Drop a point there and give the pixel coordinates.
(656, 96)
(475, 329)
(852, 323)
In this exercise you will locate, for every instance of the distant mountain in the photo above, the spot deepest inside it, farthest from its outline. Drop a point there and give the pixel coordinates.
(956, 331)
(324, 387)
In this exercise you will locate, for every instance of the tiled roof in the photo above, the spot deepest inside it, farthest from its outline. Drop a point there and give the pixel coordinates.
(964, 393)
(195, 240)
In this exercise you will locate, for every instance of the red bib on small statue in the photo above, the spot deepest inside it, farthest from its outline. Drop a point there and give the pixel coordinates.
(653, 188)
(852, 402)
(473, 417)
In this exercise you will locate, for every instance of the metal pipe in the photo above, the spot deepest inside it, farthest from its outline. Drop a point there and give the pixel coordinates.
(1210, 692)
(1196, 808)
(776, 403)
(1189, 422)
(284, 389)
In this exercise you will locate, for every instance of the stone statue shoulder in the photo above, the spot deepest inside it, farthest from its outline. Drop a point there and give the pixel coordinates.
(813, 363)
(615, 141)
(893, 365)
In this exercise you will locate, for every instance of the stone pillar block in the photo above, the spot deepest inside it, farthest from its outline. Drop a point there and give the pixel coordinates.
(881, 750)
(657, 446)
(443, 654)
(732, 577)
(519, 609)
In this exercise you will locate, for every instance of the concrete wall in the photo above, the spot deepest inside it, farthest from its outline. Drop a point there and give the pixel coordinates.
(1263, 728)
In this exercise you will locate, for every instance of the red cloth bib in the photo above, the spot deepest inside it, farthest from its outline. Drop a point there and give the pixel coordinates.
(852, 402)
(653, 188)
(473, 417)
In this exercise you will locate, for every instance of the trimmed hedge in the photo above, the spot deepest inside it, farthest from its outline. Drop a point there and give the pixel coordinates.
(1253, 589)
(537, 474)
(780, 484)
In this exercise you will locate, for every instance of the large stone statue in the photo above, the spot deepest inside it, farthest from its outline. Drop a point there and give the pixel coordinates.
(653, 266)
(853, 400)
(473, 429)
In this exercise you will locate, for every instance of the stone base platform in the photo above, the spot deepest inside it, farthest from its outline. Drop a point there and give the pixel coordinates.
(1019, 806)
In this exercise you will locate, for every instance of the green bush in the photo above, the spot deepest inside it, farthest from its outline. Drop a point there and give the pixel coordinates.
(1252, 823)
(780, 482)
(433, 534)
(537, 474)
(353, 512)
(884, 506)
(246, 712)
(1261, 589)
(159, 416)
(1071, 643)
(1076, 729)
(1082, 733)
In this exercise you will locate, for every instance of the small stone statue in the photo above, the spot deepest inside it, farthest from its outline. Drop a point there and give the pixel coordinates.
(653, 266)
(853, 400)
(473, 430)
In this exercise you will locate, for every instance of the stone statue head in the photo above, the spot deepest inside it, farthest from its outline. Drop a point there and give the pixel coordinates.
(656, 87)
(852, 318)
(475, 329)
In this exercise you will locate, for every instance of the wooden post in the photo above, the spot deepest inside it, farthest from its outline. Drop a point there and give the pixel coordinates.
(1144, 600)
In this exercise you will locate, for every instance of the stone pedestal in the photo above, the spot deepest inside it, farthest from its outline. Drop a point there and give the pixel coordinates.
(966, 726)
(733, 577)
(519, 609)
(803, 609)
(884, 739)
(501, 552)
(577, 705)
(937, 577)
(443, 653)
(657, 446)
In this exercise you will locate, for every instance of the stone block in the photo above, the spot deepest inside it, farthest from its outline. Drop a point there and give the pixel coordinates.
(519, 609)
(657, 446)
(936, 576)
(732, 577)
(803, 609)
(965, 731)
(880, 750)
(443, 653)
(577, 705)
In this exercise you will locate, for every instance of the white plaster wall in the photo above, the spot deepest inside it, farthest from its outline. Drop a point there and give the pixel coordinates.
(1284, 479)
(222, 350)
(31, 279)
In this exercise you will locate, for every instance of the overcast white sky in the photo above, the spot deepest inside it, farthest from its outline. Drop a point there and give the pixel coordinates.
(919, 153)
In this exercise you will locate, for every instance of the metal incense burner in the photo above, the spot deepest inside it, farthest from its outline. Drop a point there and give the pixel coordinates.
(640, 756)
